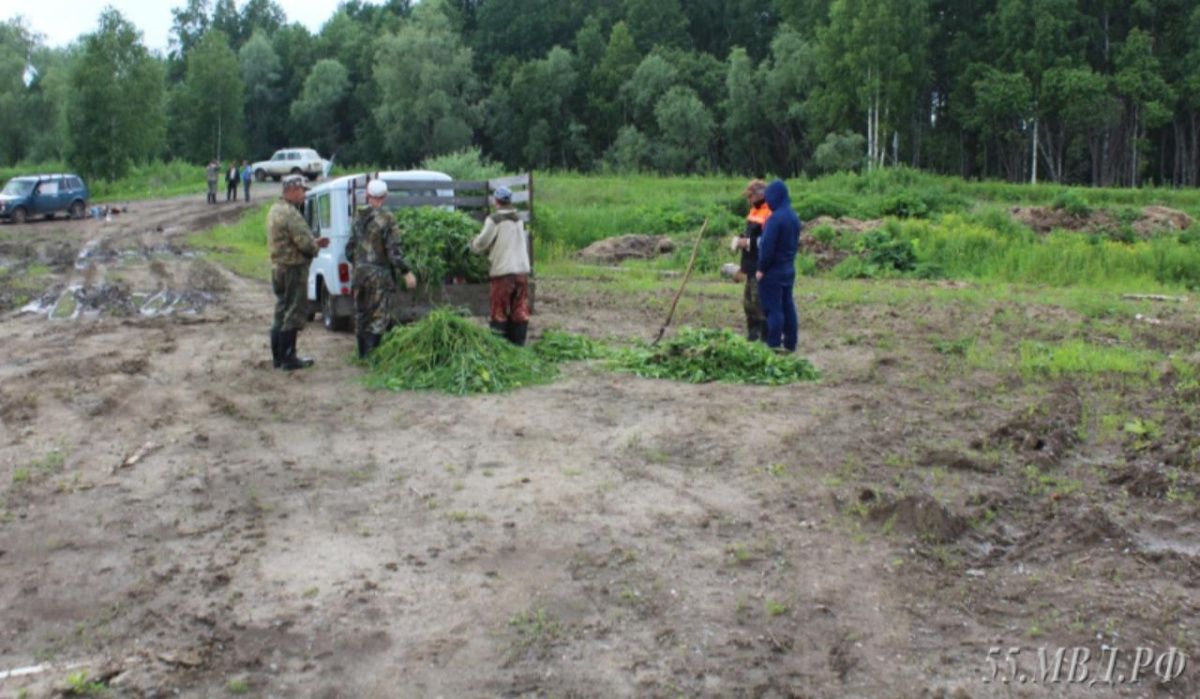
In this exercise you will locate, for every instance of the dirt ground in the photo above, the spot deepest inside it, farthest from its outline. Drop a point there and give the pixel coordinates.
(177, 519)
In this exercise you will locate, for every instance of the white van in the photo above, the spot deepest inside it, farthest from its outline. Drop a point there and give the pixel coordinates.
(330, 208)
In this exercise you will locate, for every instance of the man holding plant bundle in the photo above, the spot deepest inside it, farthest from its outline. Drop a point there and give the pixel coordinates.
(747, 242)
(777, 268)
(506, 242)
(374, 250)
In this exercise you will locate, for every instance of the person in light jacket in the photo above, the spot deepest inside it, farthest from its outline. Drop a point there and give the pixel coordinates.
(506, 243)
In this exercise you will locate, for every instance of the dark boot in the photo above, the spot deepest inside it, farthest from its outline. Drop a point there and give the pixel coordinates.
(288, 346)
(371, 342)
(500, 328)
(517, 333)
(276, 355)
(762, 332)
(362, 344)
(752, 330)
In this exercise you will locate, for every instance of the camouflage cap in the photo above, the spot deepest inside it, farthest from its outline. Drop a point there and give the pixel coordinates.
(295, 181)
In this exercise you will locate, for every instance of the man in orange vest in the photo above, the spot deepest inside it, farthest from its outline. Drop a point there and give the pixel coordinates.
(747, 242)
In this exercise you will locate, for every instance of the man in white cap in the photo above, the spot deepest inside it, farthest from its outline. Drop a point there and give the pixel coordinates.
(506, 242)
(374, 250)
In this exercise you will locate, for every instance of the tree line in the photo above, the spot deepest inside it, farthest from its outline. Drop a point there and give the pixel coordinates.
(1099, 92)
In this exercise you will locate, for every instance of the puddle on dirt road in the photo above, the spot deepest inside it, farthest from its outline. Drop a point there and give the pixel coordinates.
(99, 252)
(77, 302)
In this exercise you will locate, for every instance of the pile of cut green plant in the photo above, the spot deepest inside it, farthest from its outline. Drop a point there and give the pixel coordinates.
(558, 346)
(705, 355)
(447, 352)
(435, 244)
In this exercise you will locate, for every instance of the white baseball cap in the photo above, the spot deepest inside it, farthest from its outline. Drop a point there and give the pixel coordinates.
(377, 188)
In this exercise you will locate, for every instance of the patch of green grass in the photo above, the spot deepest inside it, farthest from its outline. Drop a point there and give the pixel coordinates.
(237, 686)
(79, 686)
(240, 246)
(704, 355)
(1079, 357)
(776, 608)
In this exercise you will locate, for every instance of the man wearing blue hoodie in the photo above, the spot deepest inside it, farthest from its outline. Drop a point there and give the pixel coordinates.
(777, 268)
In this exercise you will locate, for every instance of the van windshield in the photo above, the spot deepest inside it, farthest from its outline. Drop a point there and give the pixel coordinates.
(17, 188)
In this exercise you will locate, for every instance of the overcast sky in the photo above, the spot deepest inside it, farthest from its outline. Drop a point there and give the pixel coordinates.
(62, 21)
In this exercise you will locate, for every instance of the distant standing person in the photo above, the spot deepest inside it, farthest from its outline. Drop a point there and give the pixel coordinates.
(777, 268)
(213, 173)
(247, 175)
(506, 242)
(374, 250)
(232, 180)
(292, 248)
(747, 242)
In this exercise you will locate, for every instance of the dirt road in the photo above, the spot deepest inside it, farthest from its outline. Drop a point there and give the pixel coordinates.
(179, 520)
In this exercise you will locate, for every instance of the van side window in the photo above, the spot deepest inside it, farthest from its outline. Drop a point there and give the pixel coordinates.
(309, 205)
(326, 212)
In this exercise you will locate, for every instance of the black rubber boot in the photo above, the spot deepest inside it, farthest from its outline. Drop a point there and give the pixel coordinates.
(290, 362)
(752, 330)
(371, 342)
(762, 332)
(517, 333)
(362, 344)
(276, 355)
(500, 328)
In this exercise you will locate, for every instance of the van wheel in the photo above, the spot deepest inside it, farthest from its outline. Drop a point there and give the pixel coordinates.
(77, 210)
(332, 322)
(19, 215)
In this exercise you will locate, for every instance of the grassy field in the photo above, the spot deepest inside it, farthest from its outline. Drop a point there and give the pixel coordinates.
(241, 246)
(936, 227)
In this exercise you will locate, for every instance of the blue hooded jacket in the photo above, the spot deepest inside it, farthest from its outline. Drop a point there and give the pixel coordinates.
(781, 236)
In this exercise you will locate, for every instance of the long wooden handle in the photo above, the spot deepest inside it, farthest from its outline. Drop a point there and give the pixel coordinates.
(687, 275)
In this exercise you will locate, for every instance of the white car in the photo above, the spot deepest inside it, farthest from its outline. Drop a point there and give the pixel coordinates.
(329, 208)
(291, 161)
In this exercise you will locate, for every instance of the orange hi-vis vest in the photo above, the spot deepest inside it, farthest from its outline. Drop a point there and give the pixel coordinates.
(759, 214)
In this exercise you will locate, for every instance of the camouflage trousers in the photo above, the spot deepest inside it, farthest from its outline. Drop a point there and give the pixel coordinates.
(751, 303)
(374, 297)
(290, 284)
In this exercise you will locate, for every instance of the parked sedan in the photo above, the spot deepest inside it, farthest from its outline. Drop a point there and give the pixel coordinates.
(43, 195)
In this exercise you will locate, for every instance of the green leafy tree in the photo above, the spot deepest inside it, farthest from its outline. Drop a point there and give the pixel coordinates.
(839, 152)
(620, 60)
(227, 19)
(745, 120)
(261, 69)
(322, 105)
(873, 64)
(685, 132)
(657, 23)
(789, 81)
(188, 24)
(1003, 103)
(17, 44)
(629, 152)
(261, 16)
(115, 113)
(1148, 97)
(1078, 110)
(649, 82)
(427, 88)
(211, 101)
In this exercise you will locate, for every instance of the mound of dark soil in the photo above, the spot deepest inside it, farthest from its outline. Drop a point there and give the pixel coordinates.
(1154, 220)
(614, 251)
(1045, 434)
(917, 515)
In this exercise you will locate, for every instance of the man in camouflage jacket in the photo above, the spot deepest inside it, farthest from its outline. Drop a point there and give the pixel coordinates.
(374, 250)
(292, 248)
